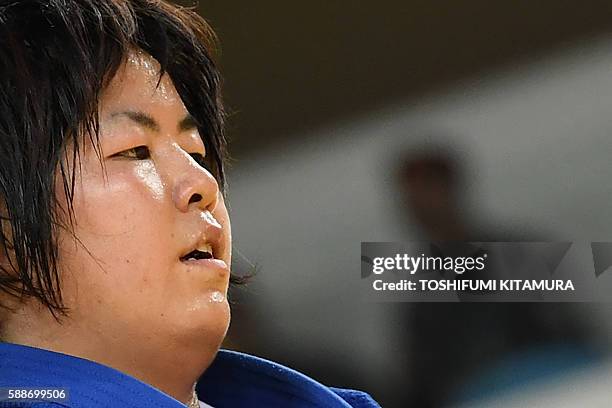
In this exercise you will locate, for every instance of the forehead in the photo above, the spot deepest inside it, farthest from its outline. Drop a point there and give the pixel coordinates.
(138, 86)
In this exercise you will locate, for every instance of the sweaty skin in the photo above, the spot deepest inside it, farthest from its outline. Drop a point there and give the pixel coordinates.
(133, 304)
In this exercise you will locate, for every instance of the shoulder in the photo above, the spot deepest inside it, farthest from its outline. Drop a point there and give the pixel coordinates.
(85, 383)
(241, 380)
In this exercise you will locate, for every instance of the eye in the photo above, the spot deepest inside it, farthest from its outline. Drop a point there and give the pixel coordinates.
(136, 153)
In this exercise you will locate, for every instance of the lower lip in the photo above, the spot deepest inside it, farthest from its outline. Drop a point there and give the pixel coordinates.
(211, 263)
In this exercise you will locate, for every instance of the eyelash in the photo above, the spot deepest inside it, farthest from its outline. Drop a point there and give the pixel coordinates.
(143, 153)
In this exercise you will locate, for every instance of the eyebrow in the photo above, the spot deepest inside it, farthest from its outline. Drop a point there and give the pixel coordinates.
(147, 121)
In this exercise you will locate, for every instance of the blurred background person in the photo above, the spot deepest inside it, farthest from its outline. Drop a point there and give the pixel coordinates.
(452, 347)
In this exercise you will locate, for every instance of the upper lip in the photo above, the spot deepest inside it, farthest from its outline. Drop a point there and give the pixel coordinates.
(210, 232)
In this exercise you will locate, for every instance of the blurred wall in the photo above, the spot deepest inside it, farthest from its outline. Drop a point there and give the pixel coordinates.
(292, 66)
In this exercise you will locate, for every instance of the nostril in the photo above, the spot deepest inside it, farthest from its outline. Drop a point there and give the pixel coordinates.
(195, 198)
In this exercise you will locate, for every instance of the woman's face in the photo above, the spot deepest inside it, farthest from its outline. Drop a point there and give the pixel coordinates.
(129, 278)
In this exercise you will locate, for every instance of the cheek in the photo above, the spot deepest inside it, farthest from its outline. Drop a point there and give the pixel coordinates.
(125, 205)
(123, 226)
(129, 194)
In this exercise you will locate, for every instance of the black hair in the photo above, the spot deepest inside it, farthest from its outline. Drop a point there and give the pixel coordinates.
(56, 57)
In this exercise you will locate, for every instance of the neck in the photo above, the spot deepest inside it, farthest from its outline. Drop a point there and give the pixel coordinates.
(148, 359)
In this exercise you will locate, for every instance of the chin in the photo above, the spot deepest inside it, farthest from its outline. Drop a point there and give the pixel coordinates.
(205, 327)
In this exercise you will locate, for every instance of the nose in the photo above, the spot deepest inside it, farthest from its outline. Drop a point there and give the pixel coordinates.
(194, 187)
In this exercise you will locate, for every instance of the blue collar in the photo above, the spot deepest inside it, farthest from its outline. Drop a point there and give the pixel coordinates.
(234, 380)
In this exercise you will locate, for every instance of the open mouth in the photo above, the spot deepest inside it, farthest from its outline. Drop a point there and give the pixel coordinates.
(204, 252)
